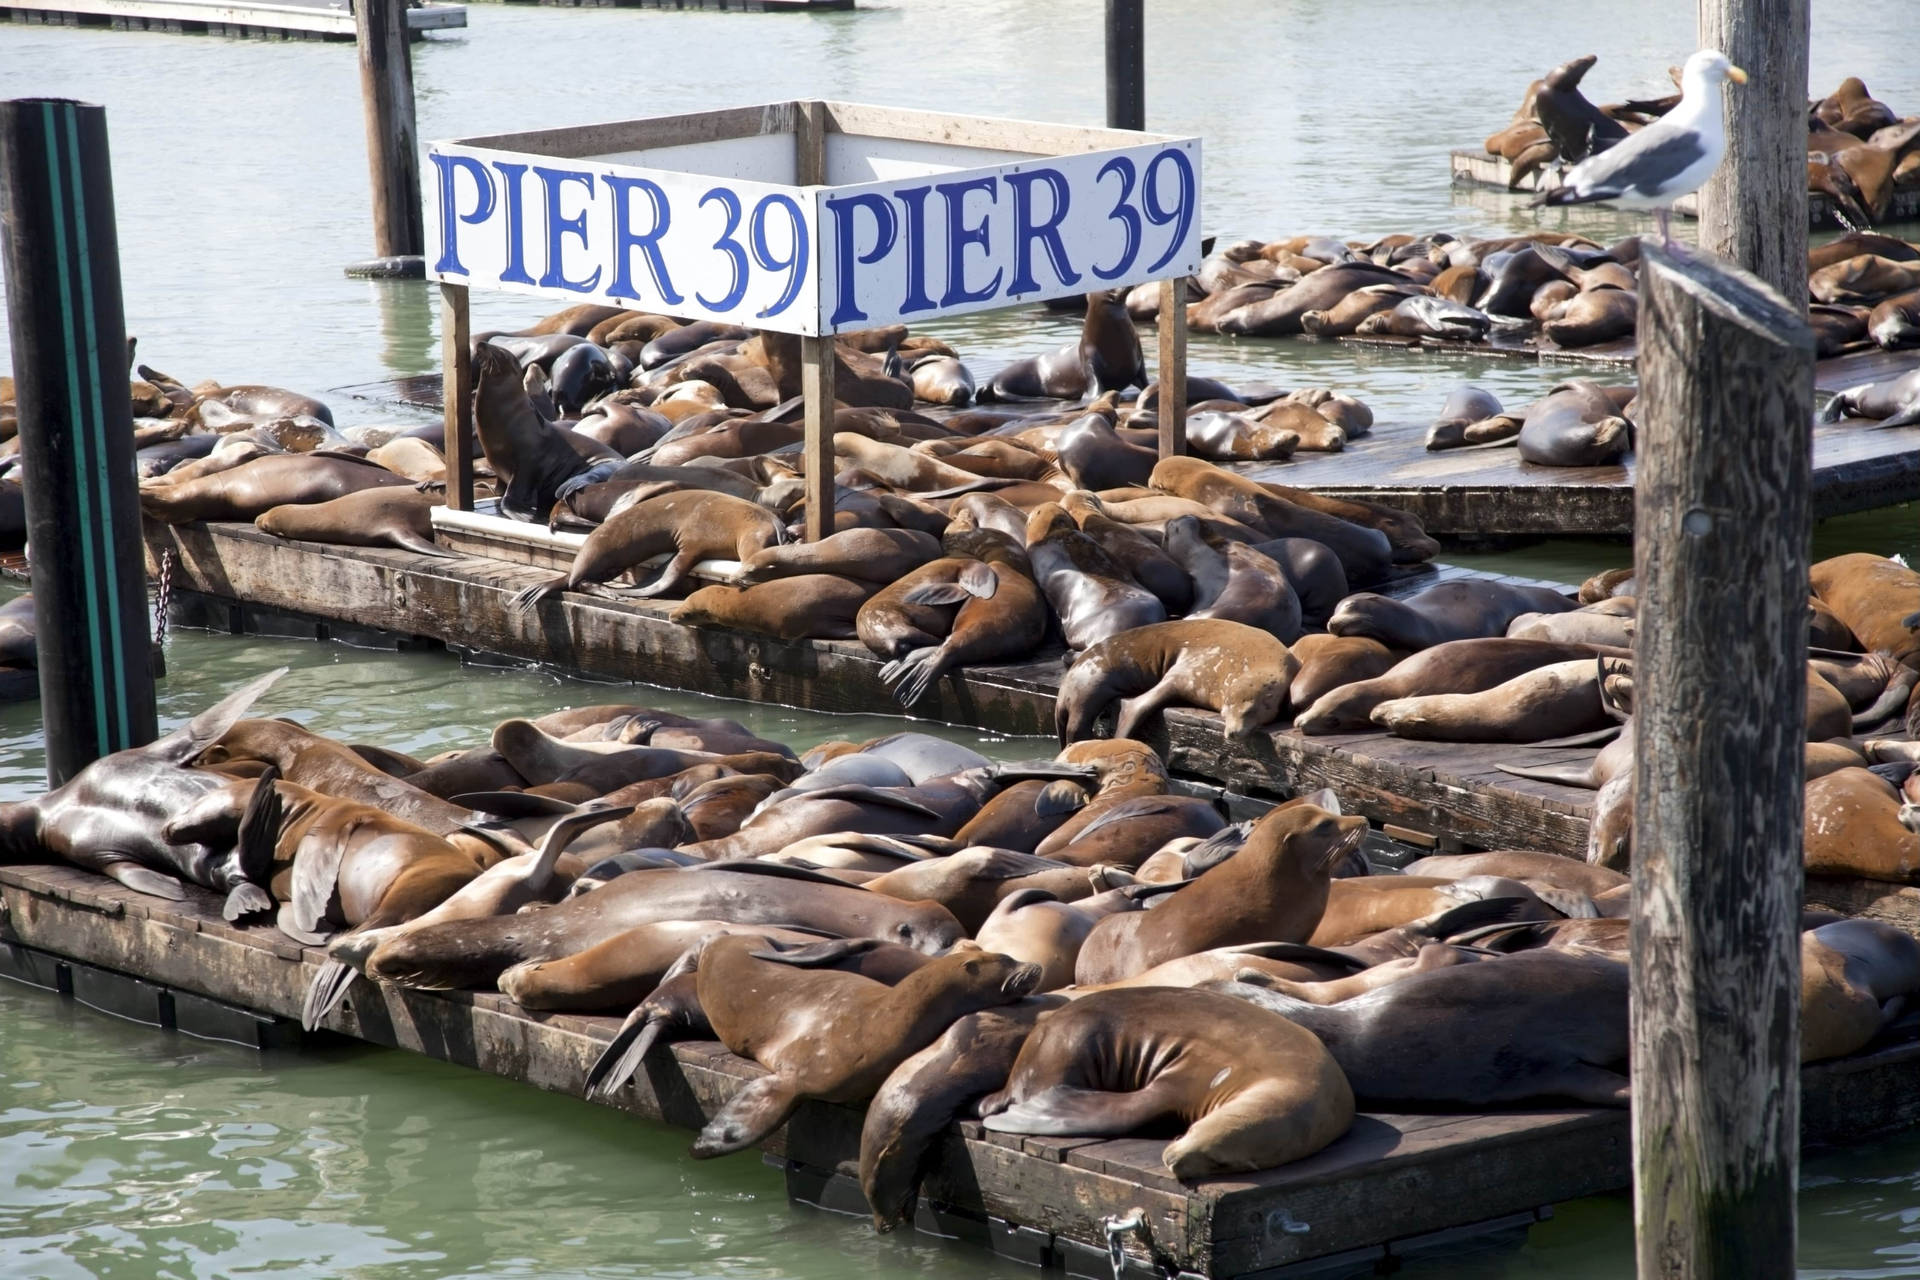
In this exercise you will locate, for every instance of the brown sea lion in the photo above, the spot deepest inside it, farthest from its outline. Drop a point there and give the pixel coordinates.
(817, 606)
(693, 526)
(1894, 323)
(1465, 609)
(1458, 666)
(1523, 865)
(531, 456)
(1090, 593)
(388, 516)
(1540, 1024)
(1874, 597)
(1558, 700)
(1240, 671)
(1282, 312)
(1591, 317)
(1035, 926)
(1853, 828)
(1364, 552)
(1001, 615)
(1328, 661)
(972, 882)
(1274, 889)
(1855, 975)
(1247, 1095)
(1892, 403)
(246, 491)
(877, 556)
(825, 1034)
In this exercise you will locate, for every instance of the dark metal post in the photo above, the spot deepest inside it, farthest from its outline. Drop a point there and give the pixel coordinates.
(76, 431)
(1719, 693)
(1126, 65)
(393, 139)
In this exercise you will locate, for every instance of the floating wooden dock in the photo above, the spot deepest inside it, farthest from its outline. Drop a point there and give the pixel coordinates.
(320, 20)
(714, 6)
(1477, 168)
(1394, 1187)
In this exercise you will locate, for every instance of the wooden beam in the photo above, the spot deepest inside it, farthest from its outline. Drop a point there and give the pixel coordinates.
(816, 387)
(1726, 369)
(393, 139)
(456, 363)
(576, 141)
(810, 143)
(1028, 137)
(1173, 367)
(1753, 211)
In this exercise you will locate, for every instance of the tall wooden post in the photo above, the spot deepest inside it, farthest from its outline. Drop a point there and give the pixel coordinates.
(1173, 367)
(1126, 65)
(816, 353)
(1721, 528)
(1753, 211)
(456, 394)
(69, 340)
(393, 140)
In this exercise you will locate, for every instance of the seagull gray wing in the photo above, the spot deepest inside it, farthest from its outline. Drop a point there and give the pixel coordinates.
(1646, 164)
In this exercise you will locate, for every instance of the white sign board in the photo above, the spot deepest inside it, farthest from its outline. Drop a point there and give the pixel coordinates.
(812, 259)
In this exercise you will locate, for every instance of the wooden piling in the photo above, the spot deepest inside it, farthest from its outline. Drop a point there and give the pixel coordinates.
(70, 362)
(1721, 517)
(393, 140)
(456, 364)
(1753, 211)
(816, 352)
(1173, 367)
(1126, 65)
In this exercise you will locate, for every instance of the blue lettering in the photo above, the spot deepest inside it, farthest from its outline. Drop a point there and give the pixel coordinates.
(515, 271)
(914, 201)
(886, 232)
(625, 241)
(736, 253)
(1123, 213)
(449, 211)
(555, 276)
(960, 235)
(1026, 230)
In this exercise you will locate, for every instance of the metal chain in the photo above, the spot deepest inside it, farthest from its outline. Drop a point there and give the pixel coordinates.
(163, 597)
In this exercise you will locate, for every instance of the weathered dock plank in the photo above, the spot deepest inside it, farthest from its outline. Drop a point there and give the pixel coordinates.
(1392, 1180)
(278, 19)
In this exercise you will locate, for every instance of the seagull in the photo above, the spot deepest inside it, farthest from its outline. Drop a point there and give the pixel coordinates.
(1672, 157)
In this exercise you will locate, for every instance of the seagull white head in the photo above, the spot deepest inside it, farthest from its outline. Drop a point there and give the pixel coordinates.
(1710, 66)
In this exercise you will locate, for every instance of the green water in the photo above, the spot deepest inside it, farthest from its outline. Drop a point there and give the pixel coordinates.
(241, 186)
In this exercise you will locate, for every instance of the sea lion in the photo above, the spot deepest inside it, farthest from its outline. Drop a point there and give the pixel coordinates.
(1536, 1025)
(1458, 666)
(1346, 315)
(110, 817)
(1057, 375)
(1575, 425)
(939, 378)
(256, 486)
(1854, 978)
(1425, 316)
(1248, 1095)
(380, 517)
(1464, 609)
(878, 556)
(824, 1034)
(1095, 457)
(1466, 407)
(1364, 552)
(1002, 614)
(1279, 314)
(1875, 597)
(693, 526)
(1574, 125)
(1274, 889)
(1894, 402)
(1853, 828)
(1866, 278)
(1584, 625)
(1110, 345)
(1090, 593)
(1314, 573)
(1257, 592)
(1328, 661)
(1895, 323)
(474, 953)
(1554, 701)
(532, 457)
(925, 1093)
(1240, 671)
(1144, 561)
(1522, 865)
(1592, 316)
(972, 882)
(19, 640)
(1035, 926)
(257, 402)
(818, 606)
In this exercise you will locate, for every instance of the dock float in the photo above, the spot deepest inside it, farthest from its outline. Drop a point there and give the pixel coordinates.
(711, 6)
(1474, 167)
(1394, 1187)
(287, 19)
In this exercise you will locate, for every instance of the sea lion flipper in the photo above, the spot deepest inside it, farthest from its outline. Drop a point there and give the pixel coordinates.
(979, 580)
(1060, 797)
(325, 992)
(1216, 848)
(407, 540)
(527, 599)
(815, 955)
(156, 884)
(259, 833)
(565, 832)
(623, 1055)
(932, 593)
(243, 900)
(1063, 1111)
(513, 804)
(750, 1115)
(1583, 1082)
(201, 732)
(1574, 906)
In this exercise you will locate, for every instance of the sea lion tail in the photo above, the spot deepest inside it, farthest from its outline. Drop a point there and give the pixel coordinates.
(201, 732)
(408, 540)
(1567, 775)
(911, 676)
(1898, 691)
(527, 599)
(324, 994)
(623, 1055)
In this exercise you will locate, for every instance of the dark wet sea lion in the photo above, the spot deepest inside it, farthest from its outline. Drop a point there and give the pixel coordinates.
(1595, 316)
(532, 457)
(1257, 593)
(1110, 345)
(581, 374)
(691, 526)
(110, 817)
(1097, 458)
(1515, 275)
(246, 491)
(1895, 323)
(384, 517)
(19, 643)
(1466, 406)
(1576, 425)
(819, 606)
(825, 1034)
(1425, 316)
(1273, 889)
(1093, 596)
(1321, 290)
(925, 1093)
(1458, 666)
(1238, 670)
(1248, 1094)
(1057, 375)
(1894, 402)
(1574, 125)
(1460, 610)
(1314, 573)
(1133, 551)
(1537, 1025)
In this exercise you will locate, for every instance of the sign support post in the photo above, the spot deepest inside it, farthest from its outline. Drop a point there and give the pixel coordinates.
(1173, 367)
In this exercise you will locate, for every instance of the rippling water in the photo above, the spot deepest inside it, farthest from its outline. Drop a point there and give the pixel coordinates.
(242, 190)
